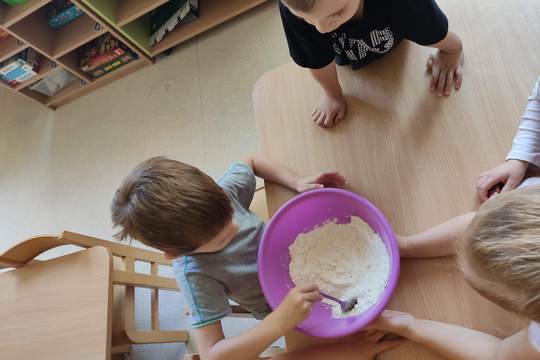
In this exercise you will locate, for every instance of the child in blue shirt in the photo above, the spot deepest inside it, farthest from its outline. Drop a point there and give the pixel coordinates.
(213, 237)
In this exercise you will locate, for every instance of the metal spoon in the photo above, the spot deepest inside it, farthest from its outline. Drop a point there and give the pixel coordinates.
(346, 306)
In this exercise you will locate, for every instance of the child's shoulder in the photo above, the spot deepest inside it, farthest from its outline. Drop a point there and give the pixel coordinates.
(239, 180)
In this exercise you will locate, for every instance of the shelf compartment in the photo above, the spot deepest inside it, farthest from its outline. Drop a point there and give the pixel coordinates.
(10, 47)
(9, 15)
(211, 14)
(71, 62)
(129, 10)
(45, 69)
(80, 88)
(121, 12)
(56, 42)
(34, 95)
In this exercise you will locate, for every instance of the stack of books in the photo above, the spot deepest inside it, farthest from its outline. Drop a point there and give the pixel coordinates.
(103, 55)
(168, 16)
(20, 67)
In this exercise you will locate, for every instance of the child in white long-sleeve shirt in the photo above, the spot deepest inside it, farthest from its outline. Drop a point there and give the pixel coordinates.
(525, 151)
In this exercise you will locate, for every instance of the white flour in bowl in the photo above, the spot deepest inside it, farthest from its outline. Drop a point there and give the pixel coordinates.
(343, 260)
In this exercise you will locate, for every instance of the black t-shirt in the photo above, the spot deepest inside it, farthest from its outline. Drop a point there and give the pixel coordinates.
(359, 41)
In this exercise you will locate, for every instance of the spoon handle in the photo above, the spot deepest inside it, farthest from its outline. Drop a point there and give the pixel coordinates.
(332, 298)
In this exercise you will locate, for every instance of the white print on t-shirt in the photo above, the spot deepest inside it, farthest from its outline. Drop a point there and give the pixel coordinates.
(382, 41)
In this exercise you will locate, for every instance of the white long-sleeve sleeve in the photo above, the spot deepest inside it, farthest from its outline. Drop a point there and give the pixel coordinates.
(526, 144)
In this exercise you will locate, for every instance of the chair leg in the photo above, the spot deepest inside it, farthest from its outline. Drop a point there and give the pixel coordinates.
(120, 352)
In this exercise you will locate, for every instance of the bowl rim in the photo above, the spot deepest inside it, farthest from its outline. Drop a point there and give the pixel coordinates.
(393, 277)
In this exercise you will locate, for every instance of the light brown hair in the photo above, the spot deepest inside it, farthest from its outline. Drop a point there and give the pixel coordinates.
(300, 5)
(169, 205)
(503, 242)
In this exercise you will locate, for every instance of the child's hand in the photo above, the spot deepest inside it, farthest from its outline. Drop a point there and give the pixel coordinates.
(446, 72)
(510, 173)
(296, 307)
(330, 111)
(395, 322)
(319, 181)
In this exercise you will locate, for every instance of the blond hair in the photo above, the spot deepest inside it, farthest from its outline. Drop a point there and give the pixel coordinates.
(169, 205)
(300, 5)
(503, 241)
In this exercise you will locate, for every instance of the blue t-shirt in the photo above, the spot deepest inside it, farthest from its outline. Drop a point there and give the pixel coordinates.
(209, 280)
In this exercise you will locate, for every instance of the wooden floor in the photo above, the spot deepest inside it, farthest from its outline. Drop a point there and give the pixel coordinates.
(415, 156)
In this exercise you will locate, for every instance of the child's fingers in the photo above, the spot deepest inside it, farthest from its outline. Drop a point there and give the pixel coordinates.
(330, 119)
(312, 296)
(321, 120)
(340, 115)
(449, 83)
(511, 184)
(440, 84)
(376, 336)
(434, 77)
(315, 117)
(308, 288)
(459, 77)
(429, 63)
(485, 185)
(388, 344)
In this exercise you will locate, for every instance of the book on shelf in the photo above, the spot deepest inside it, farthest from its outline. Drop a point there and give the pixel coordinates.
(62, 12)
(20, 67)
(99, 55)
(168, 16)
(113, 65)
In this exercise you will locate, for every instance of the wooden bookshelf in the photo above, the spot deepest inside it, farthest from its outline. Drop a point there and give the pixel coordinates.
(127, 20)
(59, 48)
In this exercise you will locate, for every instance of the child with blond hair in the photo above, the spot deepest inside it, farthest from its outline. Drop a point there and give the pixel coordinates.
(498, 250)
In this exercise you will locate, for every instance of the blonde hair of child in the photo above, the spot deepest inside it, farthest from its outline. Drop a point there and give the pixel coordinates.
(503, 243)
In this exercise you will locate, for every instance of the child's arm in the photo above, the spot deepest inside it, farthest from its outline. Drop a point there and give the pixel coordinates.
(333, 105)
(437, 241)
(275, 172)
(525, 150)
(363, 346)
(446, 65)
(456, 342)
(294, 309)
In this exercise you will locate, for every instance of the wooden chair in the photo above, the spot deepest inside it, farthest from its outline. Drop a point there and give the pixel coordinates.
(125, 280)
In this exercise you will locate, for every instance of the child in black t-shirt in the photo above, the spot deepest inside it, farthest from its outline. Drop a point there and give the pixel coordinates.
(321, 33)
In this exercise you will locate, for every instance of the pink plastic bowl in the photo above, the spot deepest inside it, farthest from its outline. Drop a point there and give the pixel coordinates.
(300, 215)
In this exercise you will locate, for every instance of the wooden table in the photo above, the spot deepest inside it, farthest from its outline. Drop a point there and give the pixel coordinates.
(415, 156)
(58, 309)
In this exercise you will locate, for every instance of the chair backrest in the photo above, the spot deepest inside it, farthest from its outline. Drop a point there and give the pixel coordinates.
(27, 250)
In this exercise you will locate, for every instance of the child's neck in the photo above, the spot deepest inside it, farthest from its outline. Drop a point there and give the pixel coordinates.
(360, 12)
